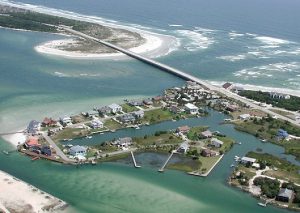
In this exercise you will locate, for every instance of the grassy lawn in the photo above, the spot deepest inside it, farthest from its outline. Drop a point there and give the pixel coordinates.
(194, 132)
(112, 125)
(128, 108)
(249, 172)
(284, 175)
(207, 162)
(281, 112)
(228, 143)
(69, 133)
(164, 138)
(106, 147)
(157, 115)
(187, 165)
(98, 129)
(80, 118)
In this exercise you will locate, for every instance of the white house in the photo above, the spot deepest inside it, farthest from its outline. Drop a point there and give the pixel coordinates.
(216, 142)
(78, 150)
(66, 120)
(138, 114)
(123, 142)
(191, 108)
(244, 117)
(246, 160)
(184, 147)
(115, 108)
(96, 123)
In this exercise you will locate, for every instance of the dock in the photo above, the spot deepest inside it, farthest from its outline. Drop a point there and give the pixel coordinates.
(167, 161)
(133, 159)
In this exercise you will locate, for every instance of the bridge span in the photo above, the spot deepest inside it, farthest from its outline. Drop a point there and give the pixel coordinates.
(178, 73)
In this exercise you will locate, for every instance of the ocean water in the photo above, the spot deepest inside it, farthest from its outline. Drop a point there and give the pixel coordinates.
(247, 42)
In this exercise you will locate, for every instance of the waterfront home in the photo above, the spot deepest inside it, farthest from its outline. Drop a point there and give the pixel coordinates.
(96, 123)
(45, 150)
(276, 95)
(183, 148)
(157, 98)
(115, 108)
(31, 142)
(174, 109)
(237, 89)
(244, 117)
(208, 153)
(138, 114)
(284, 195)
(48, 122)
(232, 108)
(123, 142)
(78, 150)
(66, 120)
(135, 103)
(91, 113)
(126, 118)
(247, 160)
(206, 134)
(147, 102)
(104, 110)
(227, 86)
(191, 108)
(282, 134)
(216, 142)
(183, 129)
(33, 127)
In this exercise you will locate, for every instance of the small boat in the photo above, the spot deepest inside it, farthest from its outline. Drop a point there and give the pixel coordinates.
(263, 140)
(232, 165)
(137, 127)
(88, 137)
(94, 162)
(262, 204)
(5, 152)
(239, 143)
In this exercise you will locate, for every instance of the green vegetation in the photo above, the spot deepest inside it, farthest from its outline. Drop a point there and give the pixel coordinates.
(70, 133)
(269, 187)
(157, 115)
(112, 124)
(227, 143)
(127, 108)
(186, 165)
(290, 104)
(242, 175)
(160, 137)
(194, 133)
(267, 128)
(207, 163)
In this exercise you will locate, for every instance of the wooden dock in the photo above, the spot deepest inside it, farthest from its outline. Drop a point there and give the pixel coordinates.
(167, 161)
(133, 159)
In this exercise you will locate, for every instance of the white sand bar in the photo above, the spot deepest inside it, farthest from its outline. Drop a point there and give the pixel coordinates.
(18, 196)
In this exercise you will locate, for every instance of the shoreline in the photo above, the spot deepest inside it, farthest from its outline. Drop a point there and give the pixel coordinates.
(19, 196)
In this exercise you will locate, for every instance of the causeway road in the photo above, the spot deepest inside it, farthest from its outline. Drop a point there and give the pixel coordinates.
(179, 73)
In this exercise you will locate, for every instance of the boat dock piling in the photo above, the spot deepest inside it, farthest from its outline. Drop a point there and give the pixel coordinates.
(133, 159)
(167, 161)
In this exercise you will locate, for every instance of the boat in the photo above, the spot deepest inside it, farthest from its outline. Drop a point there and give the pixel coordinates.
(262, 204)
(5, 152)
(232, 165)
(137, 127)
(89, 137)
(93, 162)
(239, 143)
(263, 140)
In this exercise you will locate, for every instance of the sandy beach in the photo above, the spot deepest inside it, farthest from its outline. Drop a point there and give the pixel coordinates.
(18, 196)
(155, 46)
(15, 139)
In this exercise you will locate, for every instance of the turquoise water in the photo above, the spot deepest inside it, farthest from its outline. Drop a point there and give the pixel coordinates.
(33, 86)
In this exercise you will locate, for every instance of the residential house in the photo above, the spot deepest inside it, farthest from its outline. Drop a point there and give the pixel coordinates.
(174, 109)
(123, 142)
(276, 95)
(31, 142)
(206, 134)
(191, 108)
(104, 110)
(78, 150)
(65, 120)
(246, 160)
(157, 98)
(33, 127)
(96, 123)
(45, 150)
(183, 129)
(216, 142)
(92, 113)
(126, 118)
(244, 117)
(115, 108)
(138, 114)
(227, 86)
(232, 108)
(284, 195)
(135, 103)
(183, 148)
(147, 102)
(237, 89)
(208, 153)
(49, 122)
(282, 134)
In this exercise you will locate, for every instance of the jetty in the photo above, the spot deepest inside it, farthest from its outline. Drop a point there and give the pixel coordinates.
(167, 161)
(133, 159)
(178, 73)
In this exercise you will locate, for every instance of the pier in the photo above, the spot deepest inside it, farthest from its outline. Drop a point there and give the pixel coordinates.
(178, 73)
(167, 161)
(133, 159)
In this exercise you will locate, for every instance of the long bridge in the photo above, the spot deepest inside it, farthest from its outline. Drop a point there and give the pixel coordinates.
(177, 73)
